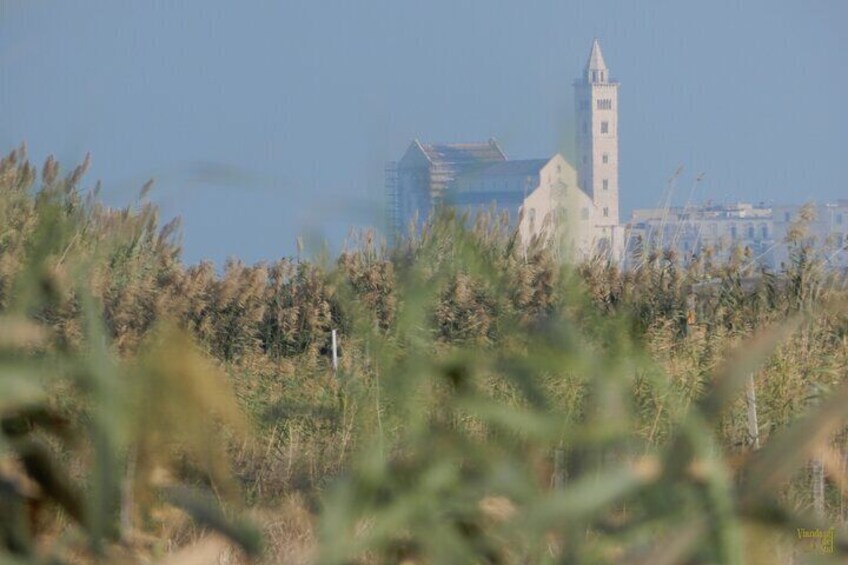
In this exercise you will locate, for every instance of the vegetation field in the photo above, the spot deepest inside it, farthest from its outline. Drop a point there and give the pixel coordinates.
(491, 404)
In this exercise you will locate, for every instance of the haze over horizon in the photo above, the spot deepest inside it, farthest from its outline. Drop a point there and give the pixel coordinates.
(262, 120)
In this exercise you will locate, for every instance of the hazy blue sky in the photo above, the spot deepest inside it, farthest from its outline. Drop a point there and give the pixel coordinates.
(261, 120)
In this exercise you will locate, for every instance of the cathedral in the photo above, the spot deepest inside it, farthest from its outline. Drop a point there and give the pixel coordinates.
(543, 198)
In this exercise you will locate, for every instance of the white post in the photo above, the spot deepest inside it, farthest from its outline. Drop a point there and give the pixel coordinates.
(818, 486)
(751, 401)
(335, 353)
(557, 481)
(127, 492)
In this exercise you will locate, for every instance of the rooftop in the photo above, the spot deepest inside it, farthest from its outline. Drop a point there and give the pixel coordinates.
(464, 153)
(523, 168)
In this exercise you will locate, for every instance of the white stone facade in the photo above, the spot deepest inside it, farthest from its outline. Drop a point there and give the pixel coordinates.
(596, 109)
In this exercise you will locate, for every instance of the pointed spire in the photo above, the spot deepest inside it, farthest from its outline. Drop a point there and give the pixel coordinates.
(596, 69)
(596, 58)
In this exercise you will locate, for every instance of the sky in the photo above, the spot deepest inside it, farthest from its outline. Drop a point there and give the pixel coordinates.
(263, 121)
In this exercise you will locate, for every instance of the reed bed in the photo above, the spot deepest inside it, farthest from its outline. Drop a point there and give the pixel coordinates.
(491, 404)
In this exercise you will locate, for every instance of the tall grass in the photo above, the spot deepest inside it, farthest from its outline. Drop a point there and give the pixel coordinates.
(491, 405)
(94, 443)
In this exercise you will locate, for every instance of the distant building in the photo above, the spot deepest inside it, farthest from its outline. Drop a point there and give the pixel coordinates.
(421, 179)
(827, 230)
(760, 232)
(549, 197)
(542, 197)
(596, 108)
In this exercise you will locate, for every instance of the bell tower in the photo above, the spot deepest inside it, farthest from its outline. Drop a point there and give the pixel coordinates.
(596, 99)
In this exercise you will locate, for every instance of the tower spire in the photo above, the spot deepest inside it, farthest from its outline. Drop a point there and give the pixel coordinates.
(596, 68)
(596, 98)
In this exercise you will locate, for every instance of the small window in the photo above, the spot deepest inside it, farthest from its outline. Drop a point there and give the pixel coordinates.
(584, 214)
(786, 217)
(764, 231)
(605, 158)
(839, 219)
(606, 212)
(733, 232)
(605, 184)
(604, 127)
(751, 233)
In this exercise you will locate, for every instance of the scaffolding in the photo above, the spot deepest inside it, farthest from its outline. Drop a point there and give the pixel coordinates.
(413, 188)
(442, 174)
(393, 212)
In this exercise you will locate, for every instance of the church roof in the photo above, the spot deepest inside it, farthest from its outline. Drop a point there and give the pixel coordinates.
(464, 153)
(516, 168)
(596, 58)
